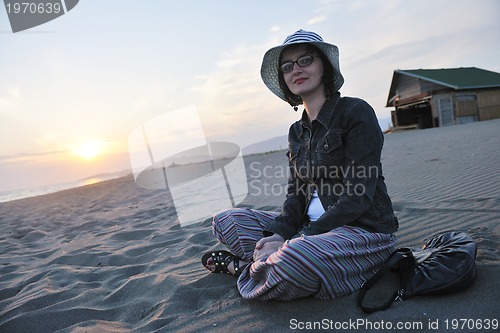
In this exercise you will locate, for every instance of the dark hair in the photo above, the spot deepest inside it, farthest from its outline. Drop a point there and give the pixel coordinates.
(327, 77)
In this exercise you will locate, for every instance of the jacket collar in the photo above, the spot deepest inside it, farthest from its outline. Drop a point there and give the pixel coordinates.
(325, 114)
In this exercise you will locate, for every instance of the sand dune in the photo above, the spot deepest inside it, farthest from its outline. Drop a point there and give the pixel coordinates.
(111, 257)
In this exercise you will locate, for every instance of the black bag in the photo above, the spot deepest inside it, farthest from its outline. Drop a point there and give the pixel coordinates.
(445, 264)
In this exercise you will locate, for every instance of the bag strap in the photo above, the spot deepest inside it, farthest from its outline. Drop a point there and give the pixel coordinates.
(401, 259)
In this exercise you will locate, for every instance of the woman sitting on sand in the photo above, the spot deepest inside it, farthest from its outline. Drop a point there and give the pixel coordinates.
(335, 227)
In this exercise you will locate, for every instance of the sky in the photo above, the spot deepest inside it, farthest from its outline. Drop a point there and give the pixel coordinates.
(74, 89)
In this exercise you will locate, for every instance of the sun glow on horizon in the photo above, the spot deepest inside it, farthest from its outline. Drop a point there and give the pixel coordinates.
(88, 150)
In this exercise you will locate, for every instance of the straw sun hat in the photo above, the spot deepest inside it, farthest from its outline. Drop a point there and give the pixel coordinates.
(270, 64)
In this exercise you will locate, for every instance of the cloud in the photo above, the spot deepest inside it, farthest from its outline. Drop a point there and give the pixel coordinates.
(449, 49)
(317, 19)
(26, 157)
(235, 105)
(236, 73)
(13, 104)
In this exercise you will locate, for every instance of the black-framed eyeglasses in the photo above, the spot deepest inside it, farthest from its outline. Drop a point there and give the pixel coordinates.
(302, 62)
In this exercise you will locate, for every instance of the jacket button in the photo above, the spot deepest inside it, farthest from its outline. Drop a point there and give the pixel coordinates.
(326, 146)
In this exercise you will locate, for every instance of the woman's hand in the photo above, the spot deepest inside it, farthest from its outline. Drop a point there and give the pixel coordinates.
(267, 245)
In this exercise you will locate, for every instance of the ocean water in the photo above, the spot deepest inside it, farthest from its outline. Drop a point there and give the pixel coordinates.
(42, 190)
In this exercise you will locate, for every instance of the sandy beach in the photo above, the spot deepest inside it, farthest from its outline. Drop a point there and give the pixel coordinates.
(111, 257)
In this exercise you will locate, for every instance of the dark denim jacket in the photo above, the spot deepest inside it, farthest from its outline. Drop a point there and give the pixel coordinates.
(339, 157)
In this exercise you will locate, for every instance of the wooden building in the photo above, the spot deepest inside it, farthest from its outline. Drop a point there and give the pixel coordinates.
(426, 98)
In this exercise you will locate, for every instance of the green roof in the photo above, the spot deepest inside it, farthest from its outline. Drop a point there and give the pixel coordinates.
(457, 78)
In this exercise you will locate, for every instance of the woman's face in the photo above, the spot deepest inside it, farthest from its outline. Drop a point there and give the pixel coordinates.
(303, 81)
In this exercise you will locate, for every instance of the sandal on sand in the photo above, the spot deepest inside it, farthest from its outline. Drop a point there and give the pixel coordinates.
(221, 260)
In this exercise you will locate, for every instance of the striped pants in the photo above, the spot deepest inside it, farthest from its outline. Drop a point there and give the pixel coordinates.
(325, 266)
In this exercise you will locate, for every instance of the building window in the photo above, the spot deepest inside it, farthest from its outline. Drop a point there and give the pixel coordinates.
(466, 109)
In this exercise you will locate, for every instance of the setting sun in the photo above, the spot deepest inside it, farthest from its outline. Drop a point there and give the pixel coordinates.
(88, 150)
